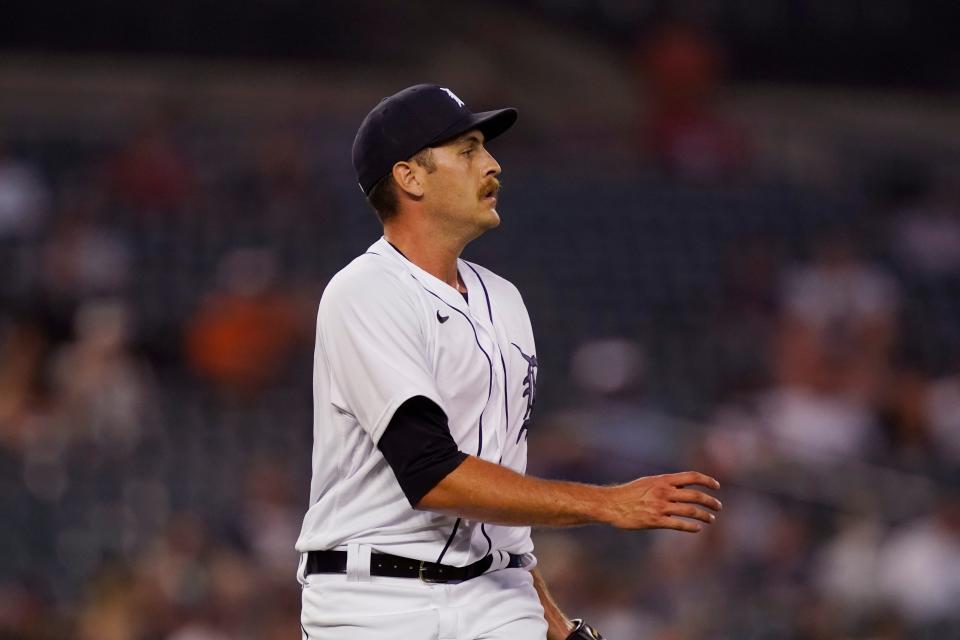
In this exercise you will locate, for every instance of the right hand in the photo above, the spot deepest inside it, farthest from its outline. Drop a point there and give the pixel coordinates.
(655, 502)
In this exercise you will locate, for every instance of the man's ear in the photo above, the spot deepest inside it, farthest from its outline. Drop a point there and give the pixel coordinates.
(406, 177)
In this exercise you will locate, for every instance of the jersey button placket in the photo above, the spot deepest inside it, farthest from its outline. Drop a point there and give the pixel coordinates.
(493, 412)
(497, 399)
(499, 388)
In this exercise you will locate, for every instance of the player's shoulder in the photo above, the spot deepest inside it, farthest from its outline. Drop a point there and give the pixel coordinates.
(495, 284)
(368, 276)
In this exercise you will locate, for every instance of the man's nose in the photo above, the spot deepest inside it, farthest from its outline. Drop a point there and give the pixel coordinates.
(494, 167)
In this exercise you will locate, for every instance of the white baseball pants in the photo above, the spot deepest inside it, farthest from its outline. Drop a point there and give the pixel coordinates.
(499, 605)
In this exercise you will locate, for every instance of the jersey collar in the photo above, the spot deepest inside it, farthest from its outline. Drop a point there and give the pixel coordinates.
(432, 283)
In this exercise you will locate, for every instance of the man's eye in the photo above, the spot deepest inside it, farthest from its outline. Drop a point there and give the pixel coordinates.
(468, 151)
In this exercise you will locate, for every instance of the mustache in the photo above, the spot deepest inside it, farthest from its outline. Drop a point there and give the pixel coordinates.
(490, 186)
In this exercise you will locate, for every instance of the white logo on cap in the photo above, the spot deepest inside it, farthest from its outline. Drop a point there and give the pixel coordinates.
(453, 95)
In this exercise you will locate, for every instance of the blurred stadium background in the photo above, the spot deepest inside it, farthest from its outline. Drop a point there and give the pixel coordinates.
(736, 226)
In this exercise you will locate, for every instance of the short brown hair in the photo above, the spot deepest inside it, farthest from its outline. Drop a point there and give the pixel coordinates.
(383, 195)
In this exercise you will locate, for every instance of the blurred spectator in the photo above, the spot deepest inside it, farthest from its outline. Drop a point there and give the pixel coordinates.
(25, 613)
(926, 235)
(685, 131)
(271, 517)
(817, 427)
(613, 418)
(244, 332)
(282, 170)
(747, 317)
(609, 368)
(919, 566)
(81, 258)
(100, 385)
(906, 420)
(198, 631)
(833, 351)
(839, 322)
(847, 567)
(151, 173)
(24, 197)
(23, 352)
(941, 406)
(113, 610)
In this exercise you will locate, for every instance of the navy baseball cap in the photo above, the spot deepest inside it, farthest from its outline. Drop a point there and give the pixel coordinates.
(420, 116)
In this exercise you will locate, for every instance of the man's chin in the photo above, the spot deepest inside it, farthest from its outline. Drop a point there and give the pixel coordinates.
(491, 219)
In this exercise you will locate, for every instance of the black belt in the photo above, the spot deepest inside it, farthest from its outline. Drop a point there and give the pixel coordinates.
(391, 566)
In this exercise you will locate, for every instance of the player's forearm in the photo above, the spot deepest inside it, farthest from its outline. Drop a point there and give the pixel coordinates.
(488, 492)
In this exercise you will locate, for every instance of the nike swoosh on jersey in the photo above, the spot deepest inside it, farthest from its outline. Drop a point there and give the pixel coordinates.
(441, 318)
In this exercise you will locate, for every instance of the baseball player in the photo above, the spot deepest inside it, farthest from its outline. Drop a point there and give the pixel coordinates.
(425, 377)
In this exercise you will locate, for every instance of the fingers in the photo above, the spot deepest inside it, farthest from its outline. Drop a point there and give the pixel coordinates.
(690, 511)
(693, 477)
(664, 502)
(680, 525)
(696, 497)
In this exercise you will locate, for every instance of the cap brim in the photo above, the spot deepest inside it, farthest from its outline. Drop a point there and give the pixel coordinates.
(490, 123)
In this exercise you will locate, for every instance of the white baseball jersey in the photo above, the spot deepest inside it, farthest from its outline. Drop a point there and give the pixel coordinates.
(388, 331)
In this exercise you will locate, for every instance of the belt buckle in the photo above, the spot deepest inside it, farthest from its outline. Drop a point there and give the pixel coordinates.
(420, 575)
(427, 580)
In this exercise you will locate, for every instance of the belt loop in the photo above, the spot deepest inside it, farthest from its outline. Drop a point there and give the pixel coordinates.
(365, 551)
(358, 562)
(302, 569)
(353, 562)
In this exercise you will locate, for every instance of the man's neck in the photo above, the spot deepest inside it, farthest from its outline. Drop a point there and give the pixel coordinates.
(435, 255)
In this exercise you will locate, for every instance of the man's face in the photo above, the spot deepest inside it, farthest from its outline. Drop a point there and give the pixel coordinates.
(462, 191)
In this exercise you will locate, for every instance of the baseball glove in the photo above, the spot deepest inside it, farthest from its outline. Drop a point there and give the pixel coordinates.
(583, 631)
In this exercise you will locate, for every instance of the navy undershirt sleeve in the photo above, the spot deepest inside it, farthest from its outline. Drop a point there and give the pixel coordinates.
(419, 448)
